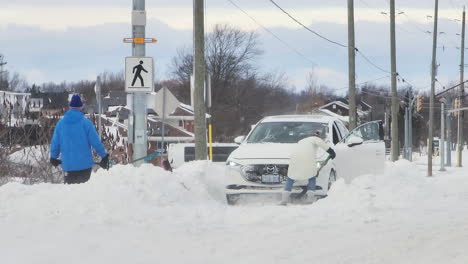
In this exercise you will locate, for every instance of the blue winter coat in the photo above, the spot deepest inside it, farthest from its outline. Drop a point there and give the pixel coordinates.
(73, 138)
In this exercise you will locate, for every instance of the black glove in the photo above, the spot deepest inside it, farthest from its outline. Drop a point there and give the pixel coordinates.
(332, 153)
(55, 162)
(105, 162)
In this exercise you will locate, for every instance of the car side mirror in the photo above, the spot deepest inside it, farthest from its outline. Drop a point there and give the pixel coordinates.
(354, 141)
(239, 139)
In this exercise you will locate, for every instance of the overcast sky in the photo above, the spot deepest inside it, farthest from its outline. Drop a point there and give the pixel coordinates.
(57, 40)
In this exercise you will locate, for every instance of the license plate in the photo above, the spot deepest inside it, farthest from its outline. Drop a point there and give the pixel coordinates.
(270, 179)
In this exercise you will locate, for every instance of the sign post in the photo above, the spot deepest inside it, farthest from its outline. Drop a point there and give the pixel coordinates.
(139, 81)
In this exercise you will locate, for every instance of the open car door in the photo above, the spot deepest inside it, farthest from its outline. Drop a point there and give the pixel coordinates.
(360, 152)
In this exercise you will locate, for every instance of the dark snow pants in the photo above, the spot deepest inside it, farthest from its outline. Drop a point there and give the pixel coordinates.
(75, 177)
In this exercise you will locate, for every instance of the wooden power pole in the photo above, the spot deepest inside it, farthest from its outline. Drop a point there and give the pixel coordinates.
(431, 97)
(199, 82)
(460, 95)
(351, 67)
(395, 104)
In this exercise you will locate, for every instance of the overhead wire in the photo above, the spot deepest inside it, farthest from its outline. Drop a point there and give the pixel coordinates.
(428, 33)
(369, 61)
(366, 59)
(273, 34)
(307, 28)
(366, 82)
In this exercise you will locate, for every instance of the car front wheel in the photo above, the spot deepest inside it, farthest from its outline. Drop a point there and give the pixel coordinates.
(232, 198)
(331, 179)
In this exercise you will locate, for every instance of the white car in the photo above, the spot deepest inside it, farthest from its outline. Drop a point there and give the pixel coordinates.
(260, 164)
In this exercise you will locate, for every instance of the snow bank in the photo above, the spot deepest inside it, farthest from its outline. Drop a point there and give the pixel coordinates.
(33, 155)
(147, 215)
(119, 195)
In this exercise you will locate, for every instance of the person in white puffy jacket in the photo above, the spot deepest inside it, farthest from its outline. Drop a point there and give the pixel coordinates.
(303, 164)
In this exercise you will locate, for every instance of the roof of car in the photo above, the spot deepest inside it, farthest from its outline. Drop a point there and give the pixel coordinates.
(299, 118)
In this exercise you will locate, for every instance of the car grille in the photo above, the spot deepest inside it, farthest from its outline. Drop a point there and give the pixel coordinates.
(254, 173)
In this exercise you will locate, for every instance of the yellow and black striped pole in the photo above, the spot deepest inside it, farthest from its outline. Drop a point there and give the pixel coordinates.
(210, 140)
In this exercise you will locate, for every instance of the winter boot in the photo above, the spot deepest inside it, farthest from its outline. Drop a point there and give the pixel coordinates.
(310, 198)
(285, 197)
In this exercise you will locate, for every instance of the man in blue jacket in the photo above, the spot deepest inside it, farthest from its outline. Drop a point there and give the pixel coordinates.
(74, 135)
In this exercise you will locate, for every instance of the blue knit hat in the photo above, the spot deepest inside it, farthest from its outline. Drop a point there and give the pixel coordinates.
(76, 101)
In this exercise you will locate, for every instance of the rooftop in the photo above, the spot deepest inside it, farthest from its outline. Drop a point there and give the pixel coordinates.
(321, 118)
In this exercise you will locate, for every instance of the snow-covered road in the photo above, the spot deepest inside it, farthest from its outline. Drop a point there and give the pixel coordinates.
(147, 215)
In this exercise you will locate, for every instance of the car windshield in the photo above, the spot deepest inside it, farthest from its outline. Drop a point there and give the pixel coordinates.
(286, 132)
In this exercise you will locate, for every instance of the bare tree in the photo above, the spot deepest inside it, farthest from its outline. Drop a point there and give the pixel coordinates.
(111, 81)
(17, 82)
(311, 85)
(314, 94)
(24, 155)
(230, 58)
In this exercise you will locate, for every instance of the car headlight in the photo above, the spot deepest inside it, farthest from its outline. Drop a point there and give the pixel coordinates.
(319, 164)
(233, 164)
(250, 173)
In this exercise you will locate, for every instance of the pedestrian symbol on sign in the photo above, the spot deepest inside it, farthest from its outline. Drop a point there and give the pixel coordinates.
(137, 73)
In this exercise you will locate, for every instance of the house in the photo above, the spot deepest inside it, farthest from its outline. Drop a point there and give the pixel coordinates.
(114, 99)
(18, 109)
(169, 120)
(340, 109)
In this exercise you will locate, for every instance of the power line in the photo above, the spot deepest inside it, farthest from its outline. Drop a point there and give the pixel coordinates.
(387, 97)
(331, 41)
(373, 80)
(366, 82)
(307, 28)
(273, 34)
(366, 4)
(370, 62)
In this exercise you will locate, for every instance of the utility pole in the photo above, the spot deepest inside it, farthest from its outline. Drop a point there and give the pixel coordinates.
(163, 118)
(199, 82)
(97, 90)
(352, 67)
(406, 146)
(442, 136)
(2, 63)
(460, 95)
(431, 96)
(395, 107)
(140, 144)
(448, 121)
(410, 122)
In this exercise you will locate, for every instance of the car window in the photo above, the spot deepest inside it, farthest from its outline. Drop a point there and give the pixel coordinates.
(336, 135)
(342, 128)
(335, 125)
(286, 132)
(369, 132)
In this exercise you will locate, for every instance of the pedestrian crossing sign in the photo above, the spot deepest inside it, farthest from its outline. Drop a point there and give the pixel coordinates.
(139, 74)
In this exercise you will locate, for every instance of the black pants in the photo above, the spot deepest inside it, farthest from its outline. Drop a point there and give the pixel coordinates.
(75, 177)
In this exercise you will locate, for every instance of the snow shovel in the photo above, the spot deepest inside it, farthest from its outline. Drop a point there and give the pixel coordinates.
(298, 196)
(146, 159)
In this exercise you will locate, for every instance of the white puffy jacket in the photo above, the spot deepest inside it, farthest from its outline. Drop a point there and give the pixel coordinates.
(303, 159)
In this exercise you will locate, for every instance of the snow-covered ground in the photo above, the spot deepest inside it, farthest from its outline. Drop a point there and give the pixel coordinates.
(30, 155)
(147, 215)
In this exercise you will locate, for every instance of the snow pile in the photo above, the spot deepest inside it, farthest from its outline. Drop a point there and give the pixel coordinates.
(33, 155)
(121, 195)
(147, 215)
